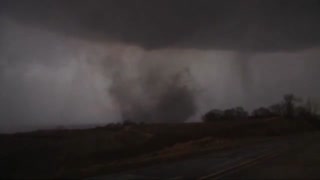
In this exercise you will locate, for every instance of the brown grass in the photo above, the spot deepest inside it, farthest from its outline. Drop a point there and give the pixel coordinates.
(80, 153)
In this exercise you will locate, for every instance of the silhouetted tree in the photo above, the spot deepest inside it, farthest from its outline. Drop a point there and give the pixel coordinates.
(302, 112)
(262, 113)
(235, 113)
(312, 107)
(228, 114)
(289, 100)
(213, 115)
(129, 122)
(241, 113)
(277, 109)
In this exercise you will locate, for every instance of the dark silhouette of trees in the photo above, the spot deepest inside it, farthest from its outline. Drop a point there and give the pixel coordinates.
(262, 113)
(213, 115)
(289, 104)
(291, 107)
(277, 109)
(312, 107)
(239, 113)
(302, 112)
(228, 114)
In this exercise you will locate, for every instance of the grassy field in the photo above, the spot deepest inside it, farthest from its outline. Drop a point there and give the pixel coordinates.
(83, 153)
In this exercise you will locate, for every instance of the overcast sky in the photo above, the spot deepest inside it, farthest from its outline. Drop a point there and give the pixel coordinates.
(89, 62)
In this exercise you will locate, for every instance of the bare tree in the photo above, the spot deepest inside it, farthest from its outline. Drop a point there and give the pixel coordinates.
(277, 109)
(289, 104)
(262, 112)
(312, 107)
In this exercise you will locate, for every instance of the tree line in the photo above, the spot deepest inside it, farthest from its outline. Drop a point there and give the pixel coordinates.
(290, 107)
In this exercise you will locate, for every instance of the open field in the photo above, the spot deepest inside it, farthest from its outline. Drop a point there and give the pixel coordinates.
(85, 153)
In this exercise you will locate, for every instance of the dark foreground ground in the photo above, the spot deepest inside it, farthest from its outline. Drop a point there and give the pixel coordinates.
(289, 157)
(297, 163)
(115, 149)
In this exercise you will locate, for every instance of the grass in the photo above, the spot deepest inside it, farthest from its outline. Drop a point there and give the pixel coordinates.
(83, 153)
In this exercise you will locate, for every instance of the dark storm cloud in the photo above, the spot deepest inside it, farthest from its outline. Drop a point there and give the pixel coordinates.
(236, 25)
(75, 61)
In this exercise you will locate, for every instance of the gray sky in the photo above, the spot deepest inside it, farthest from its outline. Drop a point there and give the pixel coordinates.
(59, 61)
